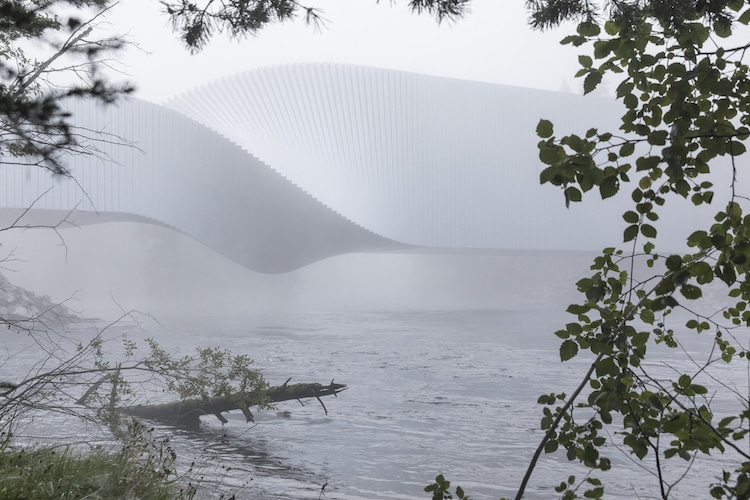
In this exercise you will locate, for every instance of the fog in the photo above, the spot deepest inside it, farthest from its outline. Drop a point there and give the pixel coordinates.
(102, 268)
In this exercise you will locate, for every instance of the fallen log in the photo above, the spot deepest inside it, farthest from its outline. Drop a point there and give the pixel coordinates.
(188, 412)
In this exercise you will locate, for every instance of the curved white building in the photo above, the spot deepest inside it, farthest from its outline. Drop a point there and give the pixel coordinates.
(283, 166)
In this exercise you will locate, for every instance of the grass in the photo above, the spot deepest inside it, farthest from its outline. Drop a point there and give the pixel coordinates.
(64, 473)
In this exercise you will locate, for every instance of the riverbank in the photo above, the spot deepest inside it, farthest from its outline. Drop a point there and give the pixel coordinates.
(64, 472)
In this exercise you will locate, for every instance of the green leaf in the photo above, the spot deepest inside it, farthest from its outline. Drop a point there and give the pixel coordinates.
(640, 338)
(550, 154)
(588, 29)
(544, 129)
(548, 174)
(630, 233)
(627, 149)
(592, 80)
(674, 262)
(597, 492)
(596, 293)
(647, 163)
(655, 402)
(606, 367)
(602, 48)
(611, 28)
(631, 217)
(577, 309)
(568, 350)
(682, 187)
(551, 446)
(699, 239)
(698, 389)
(573, 142)
(669, 301)
(724, 422)
(590, 454)
(648, 231)
(574, 329)
(573, 194)
(630, 101)
(574, 40)
(691, 292)
(722, 28)
(647, 316)
(658, 137)
(609, 187)
(585, 61)
(625, 88)
(563, 334)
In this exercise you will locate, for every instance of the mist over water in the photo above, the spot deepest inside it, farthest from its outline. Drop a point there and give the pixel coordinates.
(444, 356)
(159, 271)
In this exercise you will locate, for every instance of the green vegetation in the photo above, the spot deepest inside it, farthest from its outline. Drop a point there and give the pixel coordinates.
(683, 81)
(141, 468)
(441, 490)
(682, 78)
(67, 63)
(134, 464)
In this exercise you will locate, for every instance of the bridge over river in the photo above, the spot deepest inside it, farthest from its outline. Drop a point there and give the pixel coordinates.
(284, 166)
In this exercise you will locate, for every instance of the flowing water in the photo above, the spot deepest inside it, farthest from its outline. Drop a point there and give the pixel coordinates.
(429, 392)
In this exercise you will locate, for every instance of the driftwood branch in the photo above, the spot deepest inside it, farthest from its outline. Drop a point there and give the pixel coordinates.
(188, 412)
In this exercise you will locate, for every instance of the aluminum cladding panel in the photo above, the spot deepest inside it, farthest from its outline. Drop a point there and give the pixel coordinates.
(423, 160)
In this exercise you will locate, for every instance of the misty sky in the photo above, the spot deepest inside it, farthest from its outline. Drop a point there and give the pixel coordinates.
(493, 44)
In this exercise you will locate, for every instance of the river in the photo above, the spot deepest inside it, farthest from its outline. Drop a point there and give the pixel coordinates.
(429, 392)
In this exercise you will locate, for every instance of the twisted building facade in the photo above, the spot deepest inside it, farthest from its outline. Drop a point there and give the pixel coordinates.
(283, 166)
